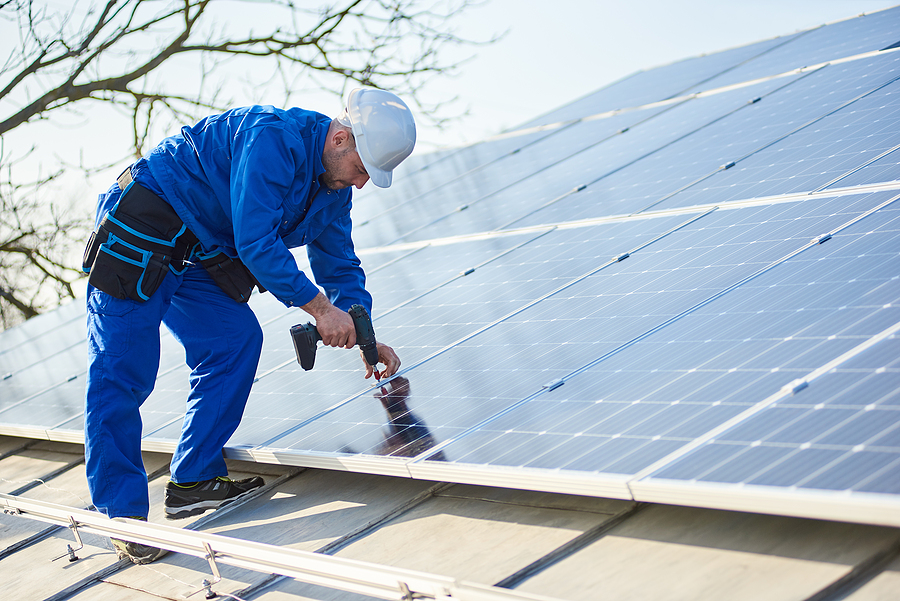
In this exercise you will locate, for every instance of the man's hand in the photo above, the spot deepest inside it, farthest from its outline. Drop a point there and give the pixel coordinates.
(387, 356)
(334, 326)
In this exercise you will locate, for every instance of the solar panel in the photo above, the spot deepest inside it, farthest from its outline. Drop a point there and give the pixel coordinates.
(444, 317)
(882, 168)
(819, 153)
(867, 33)
(750, 131)
(661, 83)
(559, 183)
(618, 387)
(813, 437)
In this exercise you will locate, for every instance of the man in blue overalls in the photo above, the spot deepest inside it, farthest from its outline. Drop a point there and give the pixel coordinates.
(182, 238)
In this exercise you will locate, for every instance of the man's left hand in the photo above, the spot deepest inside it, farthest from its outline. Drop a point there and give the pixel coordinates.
(387, 356)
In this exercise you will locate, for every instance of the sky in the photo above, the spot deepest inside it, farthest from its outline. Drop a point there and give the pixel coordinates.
(556, 52)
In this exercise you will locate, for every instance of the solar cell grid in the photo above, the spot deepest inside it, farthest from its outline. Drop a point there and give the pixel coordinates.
(511, 206)
(30, 380)
(649, 398)
(69, 341)
(850, 409)
(885, 168)
(849, 37)
(380, 217)
(812, 157)
(517, 179)
(44, 405)
(515, 357)
(46, 324)
(649, 183)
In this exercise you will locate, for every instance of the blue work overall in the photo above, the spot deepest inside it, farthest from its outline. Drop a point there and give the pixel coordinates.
(245, 183)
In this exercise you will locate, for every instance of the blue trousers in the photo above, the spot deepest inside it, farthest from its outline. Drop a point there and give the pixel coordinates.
(222, 341)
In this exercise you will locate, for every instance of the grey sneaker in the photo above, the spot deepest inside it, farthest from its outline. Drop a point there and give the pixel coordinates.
(136, 552)
(185, 500)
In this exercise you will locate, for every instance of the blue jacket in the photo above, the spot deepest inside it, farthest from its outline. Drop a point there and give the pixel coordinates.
(246, 183)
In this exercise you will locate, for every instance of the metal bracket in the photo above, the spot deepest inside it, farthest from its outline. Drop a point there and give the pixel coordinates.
(70, 552)
(553, 384)
(211, 558)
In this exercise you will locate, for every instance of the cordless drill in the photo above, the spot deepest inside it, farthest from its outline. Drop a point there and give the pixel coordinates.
(306, 338)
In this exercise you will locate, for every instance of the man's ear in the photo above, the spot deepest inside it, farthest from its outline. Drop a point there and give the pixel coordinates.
(340, 138)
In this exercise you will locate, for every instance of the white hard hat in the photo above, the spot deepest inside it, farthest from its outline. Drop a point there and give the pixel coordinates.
(384, 129)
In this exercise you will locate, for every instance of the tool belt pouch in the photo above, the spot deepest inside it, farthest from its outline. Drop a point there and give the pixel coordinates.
(134, 245)
(232, 276)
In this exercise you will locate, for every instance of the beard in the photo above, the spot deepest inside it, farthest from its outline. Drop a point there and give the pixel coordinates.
(334, 170)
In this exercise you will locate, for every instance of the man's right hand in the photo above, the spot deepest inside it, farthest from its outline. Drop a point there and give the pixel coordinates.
(335, 326)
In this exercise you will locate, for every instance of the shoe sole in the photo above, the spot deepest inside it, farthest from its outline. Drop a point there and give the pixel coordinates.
(122, 553)
(186, 511)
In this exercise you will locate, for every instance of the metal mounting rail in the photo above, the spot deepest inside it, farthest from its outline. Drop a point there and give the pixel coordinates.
(383, 582)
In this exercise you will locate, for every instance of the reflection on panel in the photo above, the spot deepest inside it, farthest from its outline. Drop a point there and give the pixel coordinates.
(646, 401)
(442, 318)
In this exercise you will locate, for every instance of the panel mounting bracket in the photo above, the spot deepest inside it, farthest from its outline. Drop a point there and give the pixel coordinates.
(70, 552)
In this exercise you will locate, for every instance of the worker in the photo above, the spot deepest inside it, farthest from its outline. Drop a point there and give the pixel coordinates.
(182, 238)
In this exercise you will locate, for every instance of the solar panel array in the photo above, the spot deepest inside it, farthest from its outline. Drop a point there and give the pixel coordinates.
(683, 288)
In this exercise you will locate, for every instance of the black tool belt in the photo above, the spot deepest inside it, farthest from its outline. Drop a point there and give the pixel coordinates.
(231, 275)
(136, 244)
(141, 239)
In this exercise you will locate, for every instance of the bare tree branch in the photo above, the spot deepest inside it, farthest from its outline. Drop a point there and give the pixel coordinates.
(120, 54)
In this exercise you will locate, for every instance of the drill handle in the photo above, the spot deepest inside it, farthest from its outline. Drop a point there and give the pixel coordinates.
(305, 338)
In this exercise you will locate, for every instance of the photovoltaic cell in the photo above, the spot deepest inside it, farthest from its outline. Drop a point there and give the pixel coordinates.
(633, 409)
(529, 169)
(813, 156)
(867, 33)
(883, 169)
(440, 187)
(48, 324)
(840, 431)
(650, 183)
(557, 185)
(513, 359)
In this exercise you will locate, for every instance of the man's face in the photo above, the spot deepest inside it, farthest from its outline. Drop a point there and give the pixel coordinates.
(343, 168)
